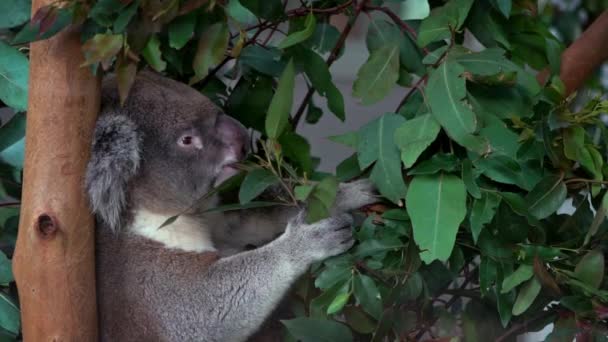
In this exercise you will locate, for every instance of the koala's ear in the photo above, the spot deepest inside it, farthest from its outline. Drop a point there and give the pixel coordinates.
(115, 159)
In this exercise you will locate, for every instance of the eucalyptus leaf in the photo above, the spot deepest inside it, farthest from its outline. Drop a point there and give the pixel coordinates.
(546, 197)
(210, 51)
(255, 183)
(317, 330)
(14, 73)
(437, 206)
(591, 268)
(526, 296)
(377, 77)
(278, 111)
(414, 136)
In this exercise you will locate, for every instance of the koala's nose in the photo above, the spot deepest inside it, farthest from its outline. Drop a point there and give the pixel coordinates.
(234, 135)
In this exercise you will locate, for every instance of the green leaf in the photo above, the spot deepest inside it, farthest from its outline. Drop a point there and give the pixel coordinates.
(469, 179)
(60, 18)
(482, 212)
(339, 301)
(14, 73)
(492, 61)
(9, 314)
(6, 269)
(278, 111)
(239, 13)
(368, 295)
(504, 6)
(438, 162)
(255, 183)
(442, 20)
(181, 30)
(523, 273)
(590, 269)
(373, 247)
(437, 205)
(317, 330)
(599, 218)
(332, 276)
(102, 48)
(375, 143)
(447, 89)
(382, 33)
(546, 197)
(487, 275)
(302, 191)
(265, 9)
(324, 38)
(210, 51)
(503, 169)
(377, 77)
(152, 54)
(321, 199)
(415, 9)
(297, 149)
(349, 139)
(348, 169)
(14, 12)
(414, 136)
(300, 36)
(125, 16)
(266, 61)
(526, 296)
(249, 101)
(317, 72)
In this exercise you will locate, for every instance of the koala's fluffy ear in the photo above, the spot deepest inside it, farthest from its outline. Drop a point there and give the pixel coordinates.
(115, 159)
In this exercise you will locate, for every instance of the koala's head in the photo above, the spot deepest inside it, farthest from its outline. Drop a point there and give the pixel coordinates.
(161, 151)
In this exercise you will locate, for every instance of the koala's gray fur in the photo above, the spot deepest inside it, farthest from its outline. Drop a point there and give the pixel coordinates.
(191, 280)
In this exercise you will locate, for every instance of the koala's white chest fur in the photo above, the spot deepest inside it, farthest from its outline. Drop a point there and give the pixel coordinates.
(184, 233)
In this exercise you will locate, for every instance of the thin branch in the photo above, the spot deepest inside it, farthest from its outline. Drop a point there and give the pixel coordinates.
(415, 87)
(523, 326)
(10, 204)
(395, 18)
(330, 60)
(302, 11)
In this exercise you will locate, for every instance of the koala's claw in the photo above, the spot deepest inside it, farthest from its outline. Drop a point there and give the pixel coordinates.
(356, 194)
(322, 239)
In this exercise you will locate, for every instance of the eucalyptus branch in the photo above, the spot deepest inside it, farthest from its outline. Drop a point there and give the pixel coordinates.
(303, 11)
(523, 326)
(415, 87)
(330, 60)
(395, 18)
(10, 204)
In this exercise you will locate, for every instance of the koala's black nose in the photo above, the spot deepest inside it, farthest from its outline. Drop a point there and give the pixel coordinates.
(234, 135)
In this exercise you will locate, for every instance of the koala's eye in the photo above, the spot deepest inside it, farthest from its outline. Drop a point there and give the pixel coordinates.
(190, 141)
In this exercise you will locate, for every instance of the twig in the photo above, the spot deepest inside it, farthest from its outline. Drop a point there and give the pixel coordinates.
(523, 326)
(302, 11)
(404, 26)
(10, 204)
(330, 60)
(214, 71)
(415, 87)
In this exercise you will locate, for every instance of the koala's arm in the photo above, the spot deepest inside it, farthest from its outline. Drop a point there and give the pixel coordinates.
(241, 291)
(254, 228)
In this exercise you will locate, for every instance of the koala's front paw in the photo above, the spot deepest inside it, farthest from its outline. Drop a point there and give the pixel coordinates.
(354, 195)
(321, 239)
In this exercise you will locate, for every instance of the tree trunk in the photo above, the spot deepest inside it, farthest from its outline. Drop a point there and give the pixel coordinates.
(54, 258)
(586, 53)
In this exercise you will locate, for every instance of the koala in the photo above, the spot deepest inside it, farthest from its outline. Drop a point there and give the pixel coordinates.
(204, 276)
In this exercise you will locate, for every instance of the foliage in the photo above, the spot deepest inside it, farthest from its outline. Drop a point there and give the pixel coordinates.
(474, 164)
